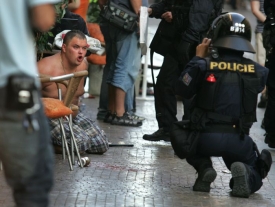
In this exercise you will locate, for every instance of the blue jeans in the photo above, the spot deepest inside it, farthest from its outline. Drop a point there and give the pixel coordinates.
(27, 157)
(122, 64)
(103, 98)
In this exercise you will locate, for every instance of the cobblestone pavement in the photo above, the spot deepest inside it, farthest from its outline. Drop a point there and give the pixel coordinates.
(147, 174)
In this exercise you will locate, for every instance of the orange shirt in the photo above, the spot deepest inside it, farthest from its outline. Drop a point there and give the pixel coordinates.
(82, 9)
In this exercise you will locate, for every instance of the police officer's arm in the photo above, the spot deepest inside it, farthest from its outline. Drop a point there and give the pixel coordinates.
(190, 78)
(193, 74)
(157, 9)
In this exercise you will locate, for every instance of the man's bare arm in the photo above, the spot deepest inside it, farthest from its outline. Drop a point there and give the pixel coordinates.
(136, 4)
(43, 17)
(74, 5)
(255, 8)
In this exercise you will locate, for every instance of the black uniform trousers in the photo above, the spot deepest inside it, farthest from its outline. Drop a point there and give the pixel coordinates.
(165, 99)
(164, 91)
(269, 117)
(232, 149)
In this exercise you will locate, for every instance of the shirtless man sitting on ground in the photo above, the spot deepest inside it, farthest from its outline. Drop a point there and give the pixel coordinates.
(89, 137)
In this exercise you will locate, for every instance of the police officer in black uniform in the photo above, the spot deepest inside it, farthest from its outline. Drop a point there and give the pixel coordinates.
(269, 117)
(191, 20)
(225, 86)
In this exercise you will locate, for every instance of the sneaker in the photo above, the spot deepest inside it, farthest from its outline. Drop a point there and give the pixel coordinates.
(240, 175)
(157, 136)
(136, 117)
(204, 180)
(125, 120)
(109, 117)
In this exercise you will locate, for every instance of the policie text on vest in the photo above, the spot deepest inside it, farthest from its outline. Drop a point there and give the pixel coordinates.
(243, 68)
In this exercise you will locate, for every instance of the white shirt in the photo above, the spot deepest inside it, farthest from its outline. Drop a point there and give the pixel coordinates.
(17, 45)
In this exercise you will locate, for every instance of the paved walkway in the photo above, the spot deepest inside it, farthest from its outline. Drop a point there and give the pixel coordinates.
(145, 175)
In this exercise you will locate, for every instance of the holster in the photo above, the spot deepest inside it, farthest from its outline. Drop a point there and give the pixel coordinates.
(19, 92)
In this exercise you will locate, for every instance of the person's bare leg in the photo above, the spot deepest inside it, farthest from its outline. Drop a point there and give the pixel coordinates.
(119, 101)
(111, 96)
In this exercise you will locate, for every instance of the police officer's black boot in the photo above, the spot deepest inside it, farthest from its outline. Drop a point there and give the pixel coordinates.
(157, 136)
(206, 175)
(240, 183)
(270, 140)
(263, 101)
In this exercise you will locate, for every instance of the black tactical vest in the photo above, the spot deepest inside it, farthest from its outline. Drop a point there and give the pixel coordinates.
(223, 74)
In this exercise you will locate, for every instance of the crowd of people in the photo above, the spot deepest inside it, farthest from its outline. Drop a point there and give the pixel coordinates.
(203, 64)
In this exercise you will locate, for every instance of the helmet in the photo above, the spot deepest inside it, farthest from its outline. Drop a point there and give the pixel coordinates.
(231, 31)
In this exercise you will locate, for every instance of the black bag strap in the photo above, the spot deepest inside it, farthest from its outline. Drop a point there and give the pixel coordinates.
(152, 65)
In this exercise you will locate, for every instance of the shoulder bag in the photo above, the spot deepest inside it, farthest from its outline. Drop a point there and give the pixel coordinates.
(120, 16)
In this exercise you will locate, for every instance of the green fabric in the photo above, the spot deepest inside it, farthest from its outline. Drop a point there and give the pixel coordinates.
(93, 12)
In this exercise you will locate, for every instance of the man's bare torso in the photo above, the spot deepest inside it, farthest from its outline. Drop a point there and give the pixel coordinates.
(52, 66)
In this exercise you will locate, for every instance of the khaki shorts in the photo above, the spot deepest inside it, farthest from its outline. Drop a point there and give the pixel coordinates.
(260, 50)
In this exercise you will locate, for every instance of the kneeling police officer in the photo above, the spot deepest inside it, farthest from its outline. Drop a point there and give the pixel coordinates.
(226, 86)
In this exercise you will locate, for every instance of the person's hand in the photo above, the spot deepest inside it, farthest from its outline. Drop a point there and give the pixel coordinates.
(202, 49)
(167, 16)
(43, 17)
(150, 10)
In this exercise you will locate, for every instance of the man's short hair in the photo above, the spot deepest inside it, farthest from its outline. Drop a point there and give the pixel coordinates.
(71, 34)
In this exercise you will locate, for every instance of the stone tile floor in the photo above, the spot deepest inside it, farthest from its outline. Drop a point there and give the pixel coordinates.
(145, 175)
(148, 174)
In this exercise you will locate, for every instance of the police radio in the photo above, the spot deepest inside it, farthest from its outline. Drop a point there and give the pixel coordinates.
(213, 51)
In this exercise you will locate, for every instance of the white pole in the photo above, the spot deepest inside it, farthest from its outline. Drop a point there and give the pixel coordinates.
(145, 67)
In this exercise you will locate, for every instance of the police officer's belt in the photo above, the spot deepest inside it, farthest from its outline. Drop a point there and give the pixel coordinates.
(230, 124)
(221, 128)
